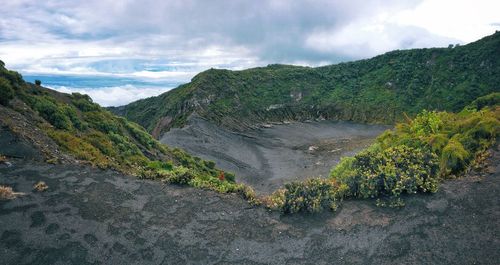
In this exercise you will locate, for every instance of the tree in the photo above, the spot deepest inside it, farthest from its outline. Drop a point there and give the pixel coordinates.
(38, 82)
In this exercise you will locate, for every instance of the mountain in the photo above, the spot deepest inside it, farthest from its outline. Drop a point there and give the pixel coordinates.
(71, 129)
(376, 90)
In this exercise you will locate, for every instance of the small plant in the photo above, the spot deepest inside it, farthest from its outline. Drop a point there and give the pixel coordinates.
(3, 159)
(53, 160)
(40, 186)
(6, 193)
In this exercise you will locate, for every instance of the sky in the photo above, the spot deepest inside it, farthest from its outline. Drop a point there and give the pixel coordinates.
(120, 51)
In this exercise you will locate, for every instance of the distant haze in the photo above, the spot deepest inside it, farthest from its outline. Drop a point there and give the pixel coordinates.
(147, 47)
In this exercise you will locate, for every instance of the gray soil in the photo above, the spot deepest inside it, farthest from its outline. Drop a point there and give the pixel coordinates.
(268, 157)
(90, 216)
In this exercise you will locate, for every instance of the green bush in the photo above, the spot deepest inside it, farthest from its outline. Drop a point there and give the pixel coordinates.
(312, 195)
(160, 165)
(51, 112)
(6, 91)
(83, 102)
(396, 170)
(454, 158)
(485, 101)
(179, 175)
(426, 122)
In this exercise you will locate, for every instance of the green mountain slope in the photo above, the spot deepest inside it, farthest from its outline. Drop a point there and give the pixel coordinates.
(87, 133)
(376, 90)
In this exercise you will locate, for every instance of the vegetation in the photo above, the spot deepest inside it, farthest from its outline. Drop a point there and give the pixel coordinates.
(40, 186)
(94, 135)
(6, 91)
(377, 90)
(6, 193)
(414, 157)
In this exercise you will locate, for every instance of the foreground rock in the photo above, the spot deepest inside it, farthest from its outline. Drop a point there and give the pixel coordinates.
(89, 216)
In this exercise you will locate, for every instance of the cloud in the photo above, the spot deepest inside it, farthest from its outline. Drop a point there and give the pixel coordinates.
(174, 40)
(114, 96)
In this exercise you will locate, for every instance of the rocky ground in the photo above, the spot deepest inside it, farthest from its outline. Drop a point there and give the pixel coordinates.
(90, 216)
(266, 158)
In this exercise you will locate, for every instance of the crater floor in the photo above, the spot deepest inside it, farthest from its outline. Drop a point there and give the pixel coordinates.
(268, 157)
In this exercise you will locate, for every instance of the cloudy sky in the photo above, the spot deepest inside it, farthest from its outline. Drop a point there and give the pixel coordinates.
(163, 43)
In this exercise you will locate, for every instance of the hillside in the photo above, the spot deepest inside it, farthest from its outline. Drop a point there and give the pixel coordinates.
(72, 129)
(376, 90)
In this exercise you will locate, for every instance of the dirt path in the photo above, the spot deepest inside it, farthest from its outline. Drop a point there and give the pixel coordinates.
(89, 216)
(267, 158)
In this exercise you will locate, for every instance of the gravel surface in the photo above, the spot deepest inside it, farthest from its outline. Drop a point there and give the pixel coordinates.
(91, 216)
(267, 158)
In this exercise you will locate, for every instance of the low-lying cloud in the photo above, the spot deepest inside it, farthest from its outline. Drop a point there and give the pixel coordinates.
(115, 96)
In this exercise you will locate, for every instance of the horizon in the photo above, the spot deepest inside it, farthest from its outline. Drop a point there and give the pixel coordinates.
(137, 51)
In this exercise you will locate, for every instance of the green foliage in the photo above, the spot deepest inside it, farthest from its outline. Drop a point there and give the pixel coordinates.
(179, 175)
(38, 82)
(312, 195)
(83, 102)
(426, 123)
(393, 171)
(6, 91)
(52, 112)
(454, 157)
(160, 165)
(80, 148)
(492, 99)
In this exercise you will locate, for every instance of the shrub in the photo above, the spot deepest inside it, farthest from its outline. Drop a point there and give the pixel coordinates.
(38, 82)
(6, 91)
(40, 186)
(80, 148)
(488, 100)
(102, 121)
(179, 175)
(83, 102)
(140, 134)
(52, 112)
(426, 122)
(312, 195)
(454, 158)
(249, 194)
(396, 170)
(210, 164)
(6, 193)
(160, 165)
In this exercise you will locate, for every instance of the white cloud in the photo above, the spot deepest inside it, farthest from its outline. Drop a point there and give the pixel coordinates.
(464, 20)
(432, 23)
(114, 96)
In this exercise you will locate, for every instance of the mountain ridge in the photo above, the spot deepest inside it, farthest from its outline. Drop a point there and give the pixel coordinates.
(376, 90)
